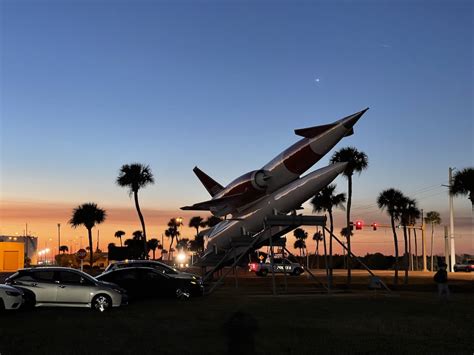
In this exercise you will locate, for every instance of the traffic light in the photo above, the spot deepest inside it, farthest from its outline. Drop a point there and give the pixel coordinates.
(358, 225)
(374, 226)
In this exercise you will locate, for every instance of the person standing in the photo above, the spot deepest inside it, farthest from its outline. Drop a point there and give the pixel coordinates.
(441, 279)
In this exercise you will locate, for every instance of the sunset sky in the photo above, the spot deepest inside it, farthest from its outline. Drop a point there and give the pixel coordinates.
(87, 86)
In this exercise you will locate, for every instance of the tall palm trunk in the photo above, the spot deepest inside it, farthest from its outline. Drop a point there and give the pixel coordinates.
(89, 232)
(348, 220)
(317, 254)
(142, 221)
(432, 237)
(405, 240)
(395, 241)
(331, 226)
(410, 254)
(416, 249)
(120, 240)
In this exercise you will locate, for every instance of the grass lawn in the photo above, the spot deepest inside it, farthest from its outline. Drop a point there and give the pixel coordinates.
(346, 323)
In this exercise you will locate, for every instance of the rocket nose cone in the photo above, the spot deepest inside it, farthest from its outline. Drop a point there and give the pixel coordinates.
(339, 167)
(351, 120)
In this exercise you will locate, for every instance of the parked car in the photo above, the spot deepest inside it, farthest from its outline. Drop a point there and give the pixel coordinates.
(279, 266)
(162, 267)
(10, 297)
(147, 282)
(66, 287)
(466, 266)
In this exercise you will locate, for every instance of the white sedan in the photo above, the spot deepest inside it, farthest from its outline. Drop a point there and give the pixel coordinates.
(10, 297)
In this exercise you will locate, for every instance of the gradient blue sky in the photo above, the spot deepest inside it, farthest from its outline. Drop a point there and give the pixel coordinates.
(90, 85)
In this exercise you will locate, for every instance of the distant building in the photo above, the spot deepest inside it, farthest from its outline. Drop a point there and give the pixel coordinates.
(30, 246)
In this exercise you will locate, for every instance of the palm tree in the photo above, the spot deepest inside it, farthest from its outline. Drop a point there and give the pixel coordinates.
(432, 218)
(172, 232)
(413, 214)
(300, 234)
(152, 245)
(463, 184)
(299, 244)
(406, 207)
(389, 200)
(137, 235)
(211, 221)
(346, 233)
(356, 162)
(119, 234)
(197, 222)
(136, 176)
(317, 237)
(326, 200)
(182, 244)
(63, 249)
(88, 215)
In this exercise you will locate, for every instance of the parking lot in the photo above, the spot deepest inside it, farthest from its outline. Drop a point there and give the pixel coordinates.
(302, 320)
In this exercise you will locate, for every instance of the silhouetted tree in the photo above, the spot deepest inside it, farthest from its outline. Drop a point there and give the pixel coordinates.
(356, 162)
(389, 200)
(88, 215)
(197, 222)
(111, 245)
(119, 234)
(63, 249)
(152, 245)
(299, 244)
(211, 221)
(405, 207)
(317, 237)
(182, 244)
(136, 176)
(463, 184)
(300, 234)
(414, 213)
(327, 200)
(432, 218)
(172, 232)
(137, 235)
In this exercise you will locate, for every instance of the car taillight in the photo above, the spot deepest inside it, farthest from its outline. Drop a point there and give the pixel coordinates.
(253, 267)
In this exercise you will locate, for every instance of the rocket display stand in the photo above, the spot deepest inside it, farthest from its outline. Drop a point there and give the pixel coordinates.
(286, 223)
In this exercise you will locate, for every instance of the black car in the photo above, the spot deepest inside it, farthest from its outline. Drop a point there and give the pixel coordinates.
(145, 282)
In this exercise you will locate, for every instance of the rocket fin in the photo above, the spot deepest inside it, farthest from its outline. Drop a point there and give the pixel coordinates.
(214, 203)
(212, 186)
(350, 132)
(312, 132)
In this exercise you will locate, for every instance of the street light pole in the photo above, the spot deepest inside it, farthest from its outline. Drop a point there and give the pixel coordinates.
(423, 240)
(451, 223)
(59, 238)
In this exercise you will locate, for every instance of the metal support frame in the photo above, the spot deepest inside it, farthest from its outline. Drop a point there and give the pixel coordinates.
(291, 222)
(353, 256)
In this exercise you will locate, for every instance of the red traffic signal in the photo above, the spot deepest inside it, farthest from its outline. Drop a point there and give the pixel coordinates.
(374, 226)
(358, 224)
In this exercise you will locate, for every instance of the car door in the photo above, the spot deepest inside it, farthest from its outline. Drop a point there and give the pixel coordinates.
(43, 286)
(157, 284)
(73, 288)
(126, 278)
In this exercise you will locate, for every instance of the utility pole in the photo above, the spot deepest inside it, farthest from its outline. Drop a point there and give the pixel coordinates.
(446, 245)
(423, 240)
(451, 223)
(59, 238)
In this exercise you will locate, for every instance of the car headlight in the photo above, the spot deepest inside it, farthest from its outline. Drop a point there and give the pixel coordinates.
(13, 293)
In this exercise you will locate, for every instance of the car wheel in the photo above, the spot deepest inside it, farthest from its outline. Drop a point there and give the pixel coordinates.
(264, 272)
(101, 303)
(2, 305)
(455, 269)
(183, 294)
(30, 299)
(297, 272)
